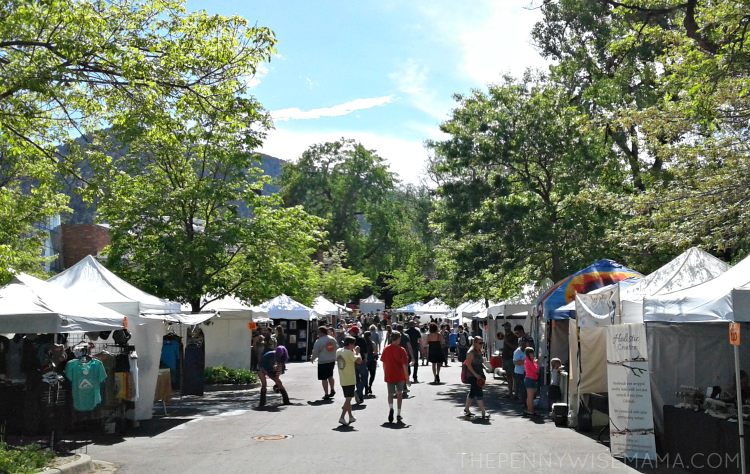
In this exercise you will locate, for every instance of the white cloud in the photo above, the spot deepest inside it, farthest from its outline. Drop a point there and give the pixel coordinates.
(406, 158)
(254, 80)
(335, 111)
(493, 36)
(309, 82)
(411, 78)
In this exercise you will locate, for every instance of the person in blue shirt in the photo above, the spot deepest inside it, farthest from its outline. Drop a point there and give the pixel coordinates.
(272, 365)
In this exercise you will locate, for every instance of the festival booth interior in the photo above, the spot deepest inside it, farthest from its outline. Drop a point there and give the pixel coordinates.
(228, 338)
(33, 395)
(556, 329)
(688, 336)
(298, 321)
(371, 304)
(89, 280)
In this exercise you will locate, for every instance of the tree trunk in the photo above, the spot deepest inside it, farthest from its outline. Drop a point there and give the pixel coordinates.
(195, 305)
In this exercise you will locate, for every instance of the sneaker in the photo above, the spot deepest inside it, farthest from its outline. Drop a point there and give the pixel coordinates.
(398, 419)
(352, 419)
(390, 415)
(343, 421)
(326, 397)
(333, 392)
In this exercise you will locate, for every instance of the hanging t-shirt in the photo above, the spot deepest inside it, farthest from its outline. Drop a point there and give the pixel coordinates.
(86, 378)
(13, 360)
(170, 355)
(108, 362)
(133, 378)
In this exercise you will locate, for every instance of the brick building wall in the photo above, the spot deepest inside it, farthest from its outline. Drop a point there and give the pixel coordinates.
(79, 240)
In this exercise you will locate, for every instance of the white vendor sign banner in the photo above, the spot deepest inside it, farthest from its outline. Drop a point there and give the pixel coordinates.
(598, 310)
(631, 423)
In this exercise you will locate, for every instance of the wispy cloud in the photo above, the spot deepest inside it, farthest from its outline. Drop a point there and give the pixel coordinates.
(309, 82)
(254, 80)
(335, 111)
(411, 79)
(407, 158)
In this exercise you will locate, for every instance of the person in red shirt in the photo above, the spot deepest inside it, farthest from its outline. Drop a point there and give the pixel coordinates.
(395, 366)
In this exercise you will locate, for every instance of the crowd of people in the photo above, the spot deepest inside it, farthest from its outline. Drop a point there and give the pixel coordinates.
(356, 346)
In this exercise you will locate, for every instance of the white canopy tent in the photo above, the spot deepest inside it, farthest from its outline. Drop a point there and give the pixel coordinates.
(410, 308)
(322, 305)
(371, 304)
(31, 305)
(228, 339)
(691, 268)
(435, 309)
(89, 280)
(283, 307)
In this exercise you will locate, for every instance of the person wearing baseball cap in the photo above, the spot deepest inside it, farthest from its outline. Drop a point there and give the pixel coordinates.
(361, 369)
(510, 343)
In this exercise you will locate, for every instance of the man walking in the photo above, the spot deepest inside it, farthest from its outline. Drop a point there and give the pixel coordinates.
(510, 344)
(361, 369)
(324, 350)
(396, 369)
(406, 344)
(447, 339)
(347, 359)
(415, 338)
(462, 344)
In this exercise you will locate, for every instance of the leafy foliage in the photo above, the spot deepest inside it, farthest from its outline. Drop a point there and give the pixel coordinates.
(25, 459)
(338, 283)
(226, 376)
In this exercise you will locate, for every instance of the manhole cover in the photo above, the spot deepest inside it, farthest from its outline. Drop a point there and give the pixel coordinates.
(272, 437)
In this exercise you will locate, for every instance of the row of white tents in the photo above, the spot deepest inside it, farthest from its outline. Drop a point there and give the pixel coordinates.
(89, 298)
(686, 306)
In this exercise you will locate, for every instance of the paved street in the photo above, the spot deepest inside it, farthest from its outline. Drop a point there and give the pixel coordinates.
(215, 434)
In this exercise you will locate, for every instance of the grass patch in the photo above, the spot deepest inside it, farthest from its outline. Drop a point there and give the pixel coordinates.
(23, 460)
(225, 376)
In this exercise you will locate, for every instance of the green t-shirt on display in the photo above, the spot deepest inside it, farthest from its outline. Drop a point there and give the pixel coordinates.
(86, 378)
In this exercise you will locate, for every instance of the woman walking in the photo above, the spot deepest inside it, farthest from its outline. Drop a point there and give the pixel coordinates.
(372, 361)
(435, 355)
(376, 338)
(531, 366)
(272, 365)
(475, 367)
(388, 332)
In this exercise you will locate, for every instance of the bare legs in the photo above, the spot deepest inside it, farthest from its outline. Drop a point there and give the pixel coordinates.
(530, 392)
(436, 371)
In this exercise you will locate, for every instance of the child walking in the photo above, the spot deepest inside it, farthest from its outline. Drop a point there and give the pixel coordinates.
(347, 358)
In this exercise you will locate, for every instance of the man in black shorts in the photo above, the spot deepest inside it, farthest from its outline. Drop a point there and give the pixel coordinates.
(324, 350)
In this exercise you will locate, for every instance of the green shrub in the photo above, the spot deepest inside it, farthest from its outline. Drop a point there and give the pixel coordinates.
(23, 460)
(223, 375)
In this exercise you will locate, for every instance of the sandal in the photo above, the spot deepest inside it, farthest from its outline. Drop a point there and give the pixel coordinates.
(468, 413)
(485, 416)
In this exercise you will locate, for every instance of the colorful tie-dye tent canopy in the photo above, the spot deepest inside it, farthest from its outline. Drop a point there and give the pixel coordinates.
(597, 275)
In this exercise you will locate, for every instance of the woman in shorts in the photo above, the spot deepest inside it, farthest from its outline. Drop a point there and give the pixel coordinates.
(475, 366)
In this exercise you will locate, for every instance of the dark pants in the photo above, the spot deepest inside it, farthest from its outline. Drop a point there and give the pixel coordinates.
(416, 360)
(361, 370)
(462, 353)
(372, 366)
(445, 355)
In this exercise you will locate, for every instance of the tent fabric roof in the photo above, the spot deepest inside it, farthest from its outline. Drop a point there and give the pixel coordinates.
(410, 308)
(600, 273)
(227, 307)
(31, 305)
(691, 268)
(90, 279)
(434, 308)
(283, 307)
(710, 301)
(322, 305)
(371, 299)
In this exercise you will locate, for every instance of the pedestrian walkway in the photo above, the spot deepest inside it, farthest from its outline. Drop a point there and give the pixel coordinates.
(217, 434)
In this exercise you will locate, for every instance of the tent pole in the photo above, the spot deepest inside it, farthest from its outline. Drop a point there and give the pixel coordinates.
(741, 421)
(182, 368)
(619, 302)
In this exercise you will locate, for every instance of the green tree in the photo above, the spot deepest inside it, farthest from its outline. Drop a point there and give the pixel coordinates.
(173, 203)
(352, 188)
(338, 283)
(515, 178)
(74, 66)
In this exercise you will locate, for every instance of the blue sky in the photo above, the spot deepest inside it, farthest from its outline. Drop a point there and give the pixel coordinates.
(381, 72)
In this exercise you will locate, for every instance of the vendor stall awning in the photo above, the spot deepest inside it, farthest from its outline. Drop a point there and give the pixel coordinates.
(283, 307)
(30, 305)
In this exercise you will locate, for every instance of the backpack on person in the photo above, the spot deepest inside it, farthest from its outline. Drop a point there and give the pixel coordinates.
(465, 374)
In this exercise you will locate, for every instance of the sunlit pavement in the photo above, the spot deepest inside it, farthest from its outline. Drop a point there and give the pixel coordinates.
(217, 433)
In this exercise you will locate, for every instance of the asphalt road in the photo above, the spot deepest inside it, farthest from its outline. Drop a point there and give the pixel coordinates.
(216, 434)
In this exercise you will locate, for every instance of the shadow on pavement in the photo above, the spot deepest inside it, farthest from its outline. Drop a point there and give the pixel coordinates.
(395, 426)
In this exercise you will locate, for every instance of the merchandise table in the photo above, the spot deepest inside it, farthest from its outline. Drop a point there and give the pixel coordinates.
(704, 443)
